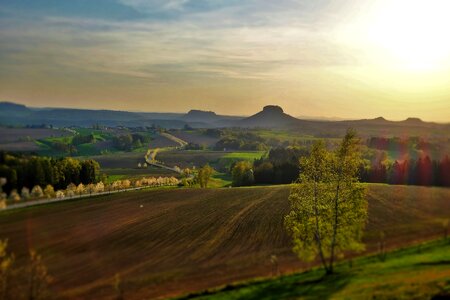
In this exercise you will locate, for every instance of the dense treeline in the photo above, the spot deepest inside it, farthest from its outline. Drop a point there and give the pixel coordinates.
(422, 171)
(28, 171)
(128, 142)
(282, 166)
(241, 141)
(399, 144)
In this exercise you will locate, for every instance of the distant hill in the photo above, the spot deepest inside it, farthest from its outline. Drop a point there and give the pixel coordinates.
(201, 116)
(10, 106)
(271, 116)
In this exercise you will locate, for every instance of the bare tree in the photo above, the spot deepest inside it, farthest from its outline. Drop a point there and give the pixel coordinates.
(6, 271)
(38, 278)
(118, 287)
(381, 246)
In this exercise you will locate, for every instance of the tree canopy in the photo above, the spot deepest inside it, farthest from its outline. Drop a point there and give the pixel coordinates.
(328, 205)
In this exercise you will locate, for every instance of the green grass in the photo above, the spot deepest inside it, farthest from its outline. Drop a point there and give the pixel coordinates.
(112, 178)
(290, 136)
(245, 155)
(219, 180)
(228, 159)
(87, 149)
(417, 272)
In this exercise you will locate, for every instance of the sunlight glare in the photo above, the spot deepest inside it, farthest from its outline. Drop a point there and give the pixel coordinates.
(413, 34)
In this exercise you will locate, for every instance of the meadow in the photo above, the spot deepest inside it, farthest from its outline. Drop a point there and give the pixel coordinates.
(170, 242)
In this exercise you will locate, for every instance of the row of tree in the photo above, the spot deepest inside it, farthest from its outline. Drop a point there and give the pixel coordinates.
(72, 190)
(28, 171)
(422, 171)
(282, 166)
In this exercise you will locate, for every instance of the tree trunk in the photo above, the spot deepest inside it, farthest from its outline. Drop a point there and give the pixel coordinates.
(317, 233)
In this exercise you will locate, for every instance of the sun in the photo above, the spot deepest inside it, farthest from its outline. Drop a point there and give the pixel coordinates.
(412, 34)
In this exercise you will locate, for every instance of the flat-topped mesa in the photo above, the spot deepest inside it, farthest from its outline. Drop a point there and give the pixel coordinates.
(272, 116)
(413, 120)
(273, 109)
(196, 115)
(197, 112)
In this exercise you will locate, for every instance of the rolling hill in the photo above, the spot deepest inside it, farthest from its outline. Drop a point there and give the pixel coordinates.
(169, 242)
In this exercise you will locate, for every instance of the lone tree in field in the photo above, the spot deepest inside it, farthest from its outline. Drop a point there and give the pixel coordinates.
(328, 205)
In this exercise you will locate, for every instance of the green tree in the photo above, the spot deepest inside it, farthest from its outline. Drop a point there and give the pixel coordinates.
(70, 171)
(242, 174)
(328, 205)
(204, 175)
(89, 171)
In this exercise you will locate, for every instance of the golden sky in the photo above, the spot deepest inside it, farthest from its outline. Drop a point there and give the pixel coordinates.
(347, 59)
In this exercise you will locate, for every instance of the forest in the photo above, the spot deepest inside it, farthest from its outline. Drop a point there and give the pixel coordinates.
(21, 170)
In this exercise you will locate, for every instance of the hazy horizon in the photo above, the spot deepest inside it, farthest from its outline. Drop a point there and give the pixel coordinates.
(305, 117)
(334, 59)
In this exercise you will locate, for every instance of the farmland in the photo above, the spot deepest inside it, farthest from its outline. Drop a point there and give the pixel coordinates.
(417, 272)
(171, 242)
(220, 160)
(195, 137)
(23, 139)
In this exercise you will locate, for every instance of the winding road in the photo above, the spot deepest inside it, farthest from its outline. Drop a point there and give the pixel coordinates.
(150, 156)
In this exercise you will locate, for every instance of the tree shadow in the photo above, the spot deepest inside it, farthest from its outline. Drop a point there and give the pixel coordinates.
(317, 286)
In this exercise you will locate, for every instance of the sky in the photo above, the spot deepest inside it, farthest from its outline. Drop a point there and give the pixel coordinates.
(327, 58)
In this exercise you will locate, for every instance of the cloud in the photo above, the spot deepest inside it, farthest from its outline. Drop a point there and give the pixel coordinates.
(255, 40)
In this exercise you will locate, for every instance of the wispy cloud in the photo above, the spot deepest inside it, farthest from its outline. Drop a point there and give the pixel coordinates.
(215, 49)
(203, 38)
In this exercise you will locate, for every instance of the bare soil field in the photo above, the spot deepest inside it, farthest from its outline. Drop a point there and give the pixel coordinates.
(195, 138)
(20, 146)
(160, 141)
(119, 160)
(189, 158)
(11, 135)
(170, 242)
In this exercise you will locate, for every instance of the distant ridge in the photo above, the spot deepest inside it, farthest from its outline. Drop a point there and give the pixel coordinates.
(271, 116)
(10, 106)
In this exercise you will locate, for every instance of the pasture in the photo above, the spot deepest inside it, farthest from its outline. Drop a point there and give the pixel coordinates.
(171, 242)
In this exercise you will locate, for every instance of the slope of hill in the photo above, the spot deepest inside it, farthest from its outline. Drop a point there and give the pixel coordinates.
(417, 272)
(170, 242)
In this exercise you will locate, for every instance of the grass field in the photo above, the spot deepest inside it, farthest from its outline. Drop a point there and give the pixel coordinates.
(185, 240)
(219, 160)
(417, 272)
